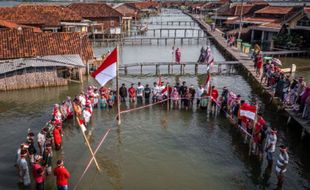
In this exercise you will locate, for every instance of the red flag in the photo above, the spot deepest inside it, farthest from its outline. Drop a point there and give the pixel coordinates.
(107, 70)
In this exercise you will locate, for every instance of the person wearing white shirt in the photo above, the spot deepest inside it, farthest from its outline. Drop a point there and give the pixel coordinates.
(271, 146)
(199, 92)
(140, 90)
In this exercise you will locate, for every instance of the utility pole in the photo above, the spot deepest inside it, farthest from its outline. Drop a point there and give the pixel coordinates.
(240, 23)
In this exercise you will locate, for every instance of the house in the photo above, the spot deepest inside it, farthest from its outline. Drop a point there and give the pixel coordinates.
(4, 24)
(31, 59)
(228, 16)
(129, 13)
(53, 18)
(146, 8)
(268, 21)
(105, 19)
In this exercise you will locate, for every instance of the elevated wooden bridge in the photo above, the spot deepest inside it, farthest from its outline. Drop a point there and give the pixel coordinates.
(219, 64)
(150, 40)
(166, 23)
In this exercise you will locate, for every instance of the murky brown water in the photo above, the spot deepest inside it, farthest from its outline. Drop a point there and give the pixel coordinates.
(153, 148)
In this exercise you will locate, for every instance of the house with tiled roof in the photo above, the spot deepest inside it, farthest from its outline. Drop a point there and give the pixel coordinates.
(105, 19)
(31, 59)
(54, 18)
(129, 13)
(268, 22)
(227, 15)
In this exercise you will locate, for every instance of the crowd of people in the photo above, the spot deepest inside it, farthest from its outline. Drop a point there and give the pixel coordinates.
(293, 92)
(262, 137)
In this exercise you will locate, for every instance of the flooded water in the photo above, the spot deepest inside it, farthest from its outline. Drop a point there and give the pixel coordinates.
(153, 148)
(302, 65)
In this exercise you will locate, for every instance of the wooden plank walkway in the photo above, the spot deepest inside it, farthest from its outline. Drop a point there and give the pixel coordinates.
(170, 65)
(286, 52)
(247, 63)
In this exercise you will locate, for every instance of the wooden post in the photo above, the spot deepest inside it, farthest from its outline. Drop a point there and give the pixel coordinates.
(166, 41)
(219, 68)
(196, 68)
(160, 32)
(185, 31)
(157, 41)
(169, 69)
(157, 71)
(181, 41)
(125, 70)
(154, 33)
(141, 69)
(117, 89)
(181, 69)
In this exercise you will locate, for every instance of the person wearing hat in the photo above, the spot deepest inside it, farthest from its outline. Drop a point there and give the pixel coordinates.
(62, 176)
(23, 169)
(41, 140)
(281, 165)
(38, 173)
(271, 146)
(123, 93)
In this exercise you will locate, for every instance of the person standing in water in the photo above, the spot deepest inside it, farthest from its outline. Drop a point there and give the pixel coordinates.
(62, 176)
(178, 56)
(282, 163)
(140, 90)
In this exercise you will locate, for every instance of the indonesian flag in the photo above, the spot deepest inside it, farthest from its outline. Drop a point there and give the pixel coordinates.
(209, 57)
(159, 81)
(248, 111)
(164, 91)
(107, 70)
(208, 82)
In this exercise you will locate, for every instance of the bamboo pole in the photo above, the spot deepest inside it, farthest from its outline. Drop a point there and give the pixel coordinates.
(117, 89)
(88, 144)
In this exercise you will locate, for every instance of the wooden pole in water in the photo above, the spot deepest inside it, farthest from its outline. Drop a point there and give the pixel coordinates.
(83, 129)
(117, 89)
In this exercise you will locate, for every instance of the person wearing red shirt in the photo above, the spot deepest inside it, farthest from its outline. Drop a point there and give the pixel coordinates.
(62, 176)
(132, 93)
(214, 96)
(38, 173)
(57, 137)
(258, 140)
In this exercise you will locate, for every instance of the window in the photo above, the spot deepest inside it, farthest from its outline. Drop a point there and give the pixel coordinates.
(112, 23)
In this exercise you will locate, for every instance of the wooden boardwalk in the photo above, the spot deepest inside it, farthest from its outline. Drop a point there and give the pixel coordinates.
(167, 23)
(229, 65)
(249, 66)
(150, 40)
(285, 53)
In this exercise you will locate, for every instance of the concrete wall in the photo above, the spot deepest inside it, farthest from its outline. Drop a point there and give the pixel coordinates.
(31, 80)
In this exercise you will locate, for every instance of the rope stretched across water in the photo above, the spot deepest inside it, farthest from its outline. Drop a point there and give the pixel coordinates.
(138, 108)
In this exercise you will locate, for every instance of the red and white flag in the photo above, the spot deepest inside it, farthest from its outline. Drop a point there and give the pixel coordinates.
(107, 70)
(164, 91)
(248, 111)
(159, 81)
(209, 58)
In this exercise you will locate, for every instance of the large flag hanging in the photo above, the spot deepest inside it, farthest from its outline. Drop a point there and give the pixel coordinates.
(107, 70)
(248, 111)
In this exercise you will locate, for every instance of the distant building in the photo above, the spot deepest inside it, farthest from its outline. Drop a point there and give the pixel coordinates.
(52, 18)
(31, 59)
(105, 19)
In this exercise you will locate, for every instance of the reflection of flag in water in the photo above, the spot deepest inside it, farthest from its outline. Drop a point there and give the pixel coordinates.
(107, 70)
(208, 82)
(209, 58)
(248, 111)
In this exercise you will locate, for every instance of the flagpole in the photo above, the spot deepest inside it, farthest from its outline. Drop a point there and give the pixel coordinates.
(117, 89)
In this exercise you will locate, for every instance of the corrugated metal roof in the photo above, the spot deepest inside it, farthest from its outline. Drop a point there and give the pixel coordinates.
(9, 65)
